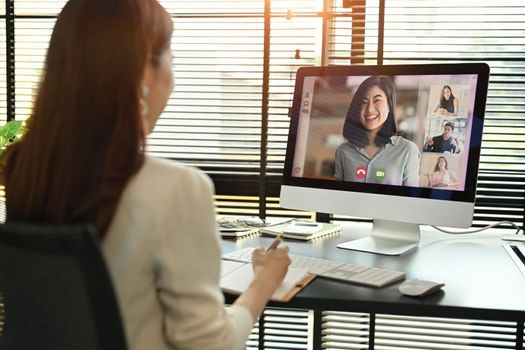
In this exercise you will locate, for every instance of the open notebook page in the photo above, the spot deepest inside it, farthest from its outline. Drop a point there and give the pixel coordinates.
(236, 277)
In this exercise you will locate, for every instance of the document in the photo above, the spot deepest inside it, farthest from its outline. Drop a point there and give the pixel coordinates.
(300, 230)
(236, 277)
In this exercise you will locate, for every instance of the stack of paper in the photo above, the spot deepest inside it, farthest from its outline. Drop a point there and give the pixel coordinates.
(232, 233)
(288, 230)
(234, 227)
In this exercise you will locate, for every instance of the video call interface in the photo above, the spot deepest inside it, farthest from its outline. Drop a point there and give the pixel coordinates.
(433, 119)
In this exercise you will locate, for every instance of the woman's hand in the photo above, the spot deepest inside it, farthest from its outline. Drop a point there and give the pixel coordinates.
(270, 267)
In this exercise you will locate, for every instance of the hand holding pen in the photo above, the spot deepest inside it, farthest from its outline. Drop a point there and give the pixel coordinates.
(270, 265)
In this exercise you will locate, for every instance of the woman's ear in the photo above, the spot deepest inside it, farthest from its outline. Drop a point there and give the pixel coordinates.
(144, 98)
(144, 107)
(147, 76)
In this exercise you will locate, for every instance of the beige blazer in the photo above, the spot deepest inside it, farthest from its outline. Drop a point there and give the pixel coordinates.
(163, 253)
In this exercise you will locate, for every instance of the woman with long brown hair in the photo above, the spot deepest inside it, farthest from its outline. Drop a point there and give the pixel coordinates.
(107, 78)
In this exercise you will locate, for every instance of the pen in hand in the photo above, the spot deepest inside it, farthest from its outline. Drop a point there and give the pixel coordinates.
(275, 242)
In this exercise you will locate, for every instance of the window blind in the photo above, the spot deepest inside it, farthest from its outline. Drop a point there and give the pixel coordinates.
(38, 8)
(212, 120)
(296, 41)
(346, 330)
(492, 32)
(31, 42)
(287, 329)
(396, 332)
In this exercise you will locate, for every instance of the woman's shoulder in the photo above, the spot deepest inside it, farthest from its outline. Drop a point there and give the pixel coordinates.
(400, 141)
(158, 176)
(160, 167)
(345, 146)
(405, 145)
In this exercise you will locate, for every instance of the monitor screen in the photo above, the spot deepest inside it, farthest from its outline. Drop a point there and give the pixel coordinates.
(368, 140)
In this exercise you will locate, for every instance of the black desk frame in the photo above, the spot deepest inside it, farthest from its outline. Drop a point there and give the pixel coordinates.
(463, 262)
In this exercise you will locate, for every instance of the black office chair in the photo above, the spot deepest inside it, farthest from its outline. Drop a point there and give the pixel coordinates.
(55, 290)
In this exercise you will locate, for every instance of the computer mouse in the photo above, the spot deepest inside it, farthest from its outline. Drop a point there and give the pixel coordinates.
(419, 287)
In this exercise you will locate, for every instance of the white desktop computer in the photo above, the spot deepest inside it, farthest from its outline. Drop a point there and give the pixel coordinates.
(396, 143)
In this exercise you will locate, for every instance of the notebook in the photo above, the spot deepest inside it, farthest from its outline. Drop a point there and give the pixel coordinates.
(324, 229)
(236, 233)
(236, 277)
(238, 226)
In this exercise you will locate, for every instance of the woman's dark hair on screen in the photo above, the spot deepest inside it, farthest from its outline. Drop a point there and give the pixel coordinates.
(436, 168)
(447, 104)
(85, 136)
(353, 130)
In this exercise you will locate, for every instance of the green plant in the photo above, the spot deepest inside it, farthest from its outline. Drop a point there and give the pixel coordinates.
(10, 132)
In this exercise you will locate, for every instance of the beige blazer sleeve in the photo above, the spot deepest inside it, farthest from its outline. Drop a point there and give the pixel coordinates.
(195, 316)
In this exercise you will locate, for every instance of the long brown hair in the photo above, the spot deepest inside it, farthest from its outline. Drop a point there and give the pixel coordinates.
(85, 137)
(436, 168)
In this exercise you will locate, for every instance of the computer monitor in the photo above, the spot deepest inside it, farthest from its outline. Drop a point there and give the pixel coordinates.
(396, 143)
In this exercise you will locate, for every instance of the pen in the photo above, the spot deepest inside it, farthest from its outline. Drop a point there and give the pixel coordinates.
(275, 242)
(306, 223)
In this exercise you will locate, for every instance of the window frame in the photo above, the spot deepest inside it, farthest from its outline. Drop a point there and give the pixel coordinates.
(489, 207)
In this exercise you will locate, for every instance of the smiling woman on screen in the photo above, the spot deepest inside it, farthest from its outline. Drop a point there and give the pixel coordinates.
(373, 152)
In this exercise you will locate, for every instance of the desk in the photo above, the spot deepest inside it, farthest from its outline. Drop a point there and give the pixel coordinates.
(482, 282)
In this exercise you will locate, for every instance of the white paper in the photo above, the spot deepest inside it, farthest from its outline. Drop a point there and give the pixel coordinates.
(228, 266)
(238, 279)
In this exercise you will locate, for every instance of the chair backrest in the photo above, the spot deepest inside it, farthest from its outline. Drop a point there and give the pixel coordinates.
(55, 290)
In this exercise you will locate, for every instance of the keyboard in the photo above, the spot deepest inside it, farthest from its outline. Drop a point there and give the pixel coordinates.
(358, 274)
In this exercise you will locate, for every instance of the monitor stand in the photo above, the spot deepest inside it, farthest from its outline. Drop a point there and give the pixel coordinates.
(387, 238)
